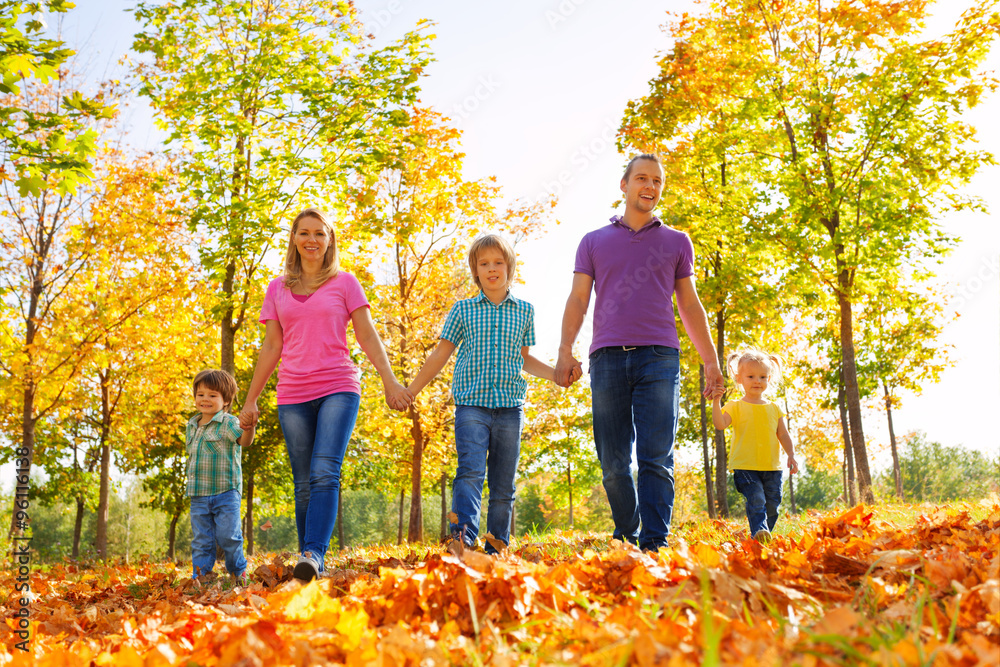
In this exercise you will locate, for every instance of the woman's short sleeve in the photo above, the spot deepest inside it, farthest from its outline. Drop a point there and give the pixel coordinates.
(269, 311)
(354, 294)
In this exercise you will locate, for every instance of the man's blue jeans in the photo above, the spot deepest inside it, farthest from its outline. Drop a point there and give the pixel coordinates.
(216, 519)
(762, 490)
(487, 440)
(635, 395)
(316, 436)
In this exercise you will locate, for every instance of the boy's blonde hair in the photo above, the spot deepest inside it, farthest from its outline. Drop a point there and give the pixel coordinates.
(220, 381)
(293, 263)
(771, 362)
(492, 242)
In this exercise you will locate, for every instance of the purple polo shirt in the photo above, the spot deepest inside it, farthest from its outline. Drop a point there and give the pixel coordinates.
(634, 275)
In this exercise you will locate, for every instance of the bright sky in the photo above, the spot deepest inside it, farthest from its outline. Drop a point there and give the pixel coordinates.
(539, 87)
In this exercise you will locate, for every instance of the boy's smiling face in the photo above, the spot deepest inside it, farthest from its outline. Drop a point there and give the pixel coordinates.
(208, 401)
(491, 270)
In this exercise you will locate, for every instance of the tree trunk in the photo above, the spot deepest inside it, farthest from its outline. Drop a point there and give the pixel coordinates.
(853, 394)
(444, 507)
(399, 533)
(172, 537)
(706, 460)
(78, 526)
(721, 458)
(849, 491)
(101, 542)
(19, 511)
(415, 532)
(569, 485)
(227, 330)
(897, 474)
(248, 537)
(791, 477)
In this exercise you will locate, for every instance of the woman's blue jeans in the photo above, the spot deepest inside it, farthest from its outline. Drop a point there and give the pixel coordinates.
(488, 442)
(635, 393)
(762, 490)
(316, 436)
(216, 519)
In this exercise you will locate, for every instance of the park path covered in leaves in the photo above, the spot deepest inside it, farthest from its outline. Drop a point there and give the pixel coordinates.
(853, 589)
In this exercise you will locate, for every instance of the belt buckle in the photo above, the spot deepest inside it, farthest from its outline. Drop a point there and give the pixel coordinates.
(627, 349)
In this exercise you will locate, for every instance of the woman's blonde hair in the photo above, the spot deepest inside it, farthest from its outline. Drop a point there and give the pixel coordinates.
(771, 362)
(493, 242)
(293, 263)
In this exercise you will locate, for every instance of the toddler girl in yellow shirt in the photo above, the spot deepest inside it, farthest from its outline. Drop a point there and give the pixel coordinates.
(758, 429)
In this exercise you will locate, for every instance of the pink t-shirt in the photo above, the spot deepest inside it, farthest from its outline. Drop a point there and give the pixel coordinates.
(315, 361)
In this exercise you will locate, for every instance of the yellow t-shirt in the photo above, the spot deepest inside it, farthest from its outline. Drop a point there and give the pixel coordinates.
(755, 443)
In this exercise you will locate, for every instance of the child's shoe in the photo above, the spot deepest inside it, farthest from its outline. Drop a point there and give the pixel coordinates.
(763, 536)
(307, 568)
(242, 580)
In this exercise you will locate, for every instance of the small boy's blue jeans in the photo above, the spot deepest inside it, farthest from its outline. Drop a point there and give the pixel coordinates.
(216, 519)
(762, 490)
(488, 443)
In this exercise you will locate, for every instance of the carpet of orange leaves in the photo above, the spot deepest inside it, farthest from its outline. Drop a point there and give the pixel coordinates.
(853, 589)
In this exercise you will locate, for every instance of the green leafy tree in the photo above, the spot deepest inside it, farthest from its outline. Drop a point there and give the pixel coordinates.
(935, 473)
(271, 105)
(854, 126)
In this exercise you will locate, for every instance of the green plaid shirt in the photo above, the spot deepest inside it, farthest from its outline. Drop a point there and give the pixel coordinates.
(489, 339)
(214, 457)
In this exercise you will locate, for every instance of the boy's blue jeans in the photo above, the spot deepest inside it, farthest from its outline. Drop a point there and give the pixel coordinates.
(316, 436)
(635, 395)
(488, 440)
(216, 519)
(762, 490)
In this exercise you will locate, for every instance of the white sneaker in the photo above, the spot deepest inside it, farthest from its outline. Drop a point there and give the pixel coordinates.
(307, 568)
(763, 536)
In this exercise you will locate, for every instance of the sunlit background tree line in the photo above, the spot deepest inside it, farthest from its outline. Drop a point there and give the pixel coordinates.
(810, 151)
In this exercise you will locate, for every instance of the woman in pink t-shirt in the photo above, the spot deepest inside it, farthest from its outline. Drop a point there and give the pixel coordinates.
(306, 313)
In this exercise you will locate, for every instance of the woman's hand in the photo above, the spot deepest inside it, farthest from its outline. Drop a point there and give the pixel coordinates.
(397, 396)
(249, 415)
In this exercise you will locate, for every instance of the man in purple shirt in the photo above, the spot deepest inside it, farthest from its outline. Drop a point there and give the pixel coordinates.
(636, 265)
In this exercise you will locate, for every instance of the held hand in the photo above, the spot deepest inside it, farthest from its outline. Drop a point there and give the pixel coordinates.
(564, 369)
(793, 466)
(397, 396)
(575, 373)
(718, 393)
(714, 382)
(249, 415)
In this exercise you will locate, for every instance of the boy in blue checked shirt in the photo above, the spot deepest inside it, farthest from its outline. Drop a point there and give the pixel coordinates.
(492, 332)
(215, 474)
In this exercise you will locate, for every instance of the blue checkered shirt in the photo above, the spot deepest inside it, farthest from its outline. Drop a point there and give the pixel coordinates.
(214, 457)
(489, 339)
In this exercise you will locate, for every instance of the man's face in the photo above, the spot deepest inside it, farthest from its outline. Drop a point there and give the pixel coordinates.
(644, 186)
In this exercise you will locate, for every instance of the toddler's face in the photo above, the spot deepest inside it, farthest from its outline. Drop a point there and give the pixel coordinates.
(208, 401)
(753, 377)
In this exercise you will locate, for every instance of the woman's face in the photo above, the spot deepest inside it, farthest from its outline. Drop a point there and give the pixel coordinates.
(311, 240)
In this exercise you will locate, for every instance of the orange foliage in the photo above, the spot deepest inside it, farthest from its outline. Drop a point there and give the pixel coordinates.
(840, 592)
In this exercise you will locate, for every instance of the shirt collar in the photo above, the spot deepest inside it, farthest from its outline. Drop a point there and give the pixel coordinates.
(216, 418)
(510, 297)
(617, 220)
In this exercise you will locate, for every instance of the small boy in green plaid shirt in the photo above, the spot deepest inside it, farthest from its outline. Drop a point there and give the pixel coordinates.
(215, 474)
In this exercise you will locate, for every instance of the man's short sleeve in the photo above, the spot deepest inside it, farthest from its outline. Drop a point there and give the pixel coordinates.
(685, 260)
(453, 331)
(584, 261)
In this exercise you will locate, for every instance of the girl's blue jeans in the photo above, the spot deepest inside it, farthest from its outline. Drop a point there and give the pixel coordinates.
(488, 442)
(316, 436)
(216, 519)
(762, 490)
